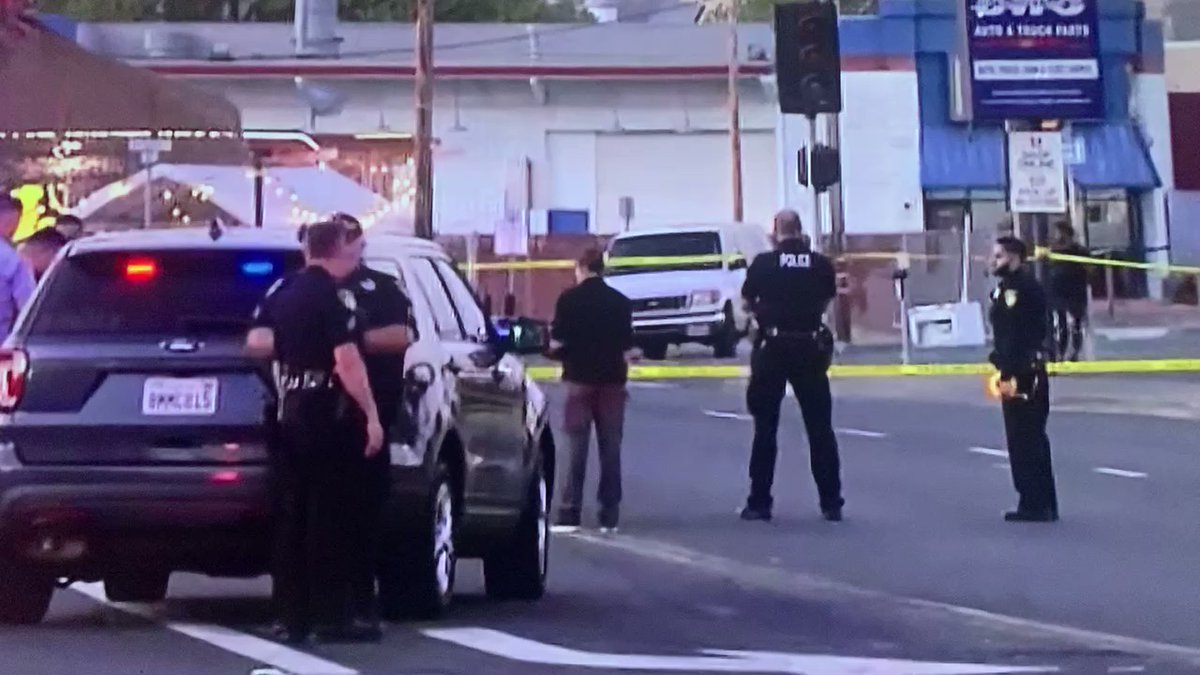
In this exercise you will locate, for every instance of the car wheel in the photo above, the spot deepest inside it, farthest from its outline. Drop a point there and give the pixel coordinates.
(518, 569)
(140, 586)
(655, 351)
(24, 594)
(725, 343)
(417, 578)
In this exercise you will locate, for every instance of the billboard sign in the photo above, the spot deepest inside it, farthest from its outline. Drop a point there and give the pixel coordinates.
(1037, 174)
(1033, 59)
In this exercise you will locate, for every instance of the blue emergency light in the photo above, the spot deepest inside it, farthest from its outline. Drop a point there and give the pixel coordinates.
(258, 268)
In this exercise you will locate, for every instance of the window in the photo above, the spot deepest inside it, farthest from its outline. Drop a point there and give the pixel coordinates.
(685, 244)
(473, 320)
(445, 319)
(159, 293)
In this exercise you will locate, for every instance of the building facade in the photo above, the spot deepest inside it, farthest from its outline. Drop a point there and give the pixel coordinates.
(562, 122)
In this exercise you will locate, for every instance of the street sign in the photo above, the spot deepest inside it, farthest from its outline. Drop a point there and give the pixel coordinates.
(1033, 59)
(515, 648)
(1037, 175)
(511, 236)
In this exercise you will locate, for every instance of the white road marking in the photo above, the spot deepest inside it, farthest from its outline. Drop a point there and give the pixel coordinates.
(513, 648)
(721, 415)
(564, 529)
(862, 433)
(1120, 473)
(990, 452)
(810, 587)
(254, 648)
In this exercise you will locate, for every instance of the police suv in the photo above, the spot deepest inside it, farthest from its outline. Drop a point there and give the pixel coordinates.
(132, 440)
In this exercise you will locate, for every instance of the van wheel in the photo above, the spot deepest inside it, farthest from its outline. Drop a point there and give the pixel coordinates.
(655, 351)
(24, 594)
(518, 569)
(417, 576)
(725, 343)
(139, 586)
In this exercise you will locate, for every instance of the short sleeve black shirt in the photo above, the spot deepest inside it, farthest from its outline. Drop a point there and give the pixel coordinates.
(594, 322)
(380, 303)
(790, 287)
(310, 319)
(1019, 323)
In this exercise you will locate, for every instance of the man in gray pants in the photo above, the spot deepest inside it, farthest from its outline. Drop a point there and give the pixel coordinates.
(592, 335)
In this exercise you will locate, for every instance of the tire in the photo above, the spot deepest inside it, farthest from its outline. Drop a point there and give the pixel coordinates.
(24, 594)
(417, 576)
(518, 569)
(725, 344)
(655, 351)
(140, 586)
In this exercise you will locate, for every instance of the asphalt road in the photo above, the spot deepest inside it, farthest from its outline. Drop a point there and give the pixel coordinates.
(923, 570)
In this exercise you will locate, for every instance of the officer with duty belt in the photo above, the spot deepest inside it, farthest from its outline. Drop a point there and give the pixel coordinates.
(327, 422)
(788, 290)
(1019, 321)
(385, 318)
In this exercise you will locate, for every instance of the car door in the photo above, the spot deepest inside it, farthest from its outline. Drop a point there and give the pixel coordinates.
(490, 386)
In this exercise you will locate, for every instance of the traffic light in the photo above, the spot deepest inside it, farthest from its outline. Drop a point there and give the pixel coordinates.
(808, 63)
(825, 168)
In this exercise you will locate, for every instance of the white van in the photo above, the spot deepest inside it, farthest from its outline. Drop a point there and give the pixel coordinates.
(699, 301)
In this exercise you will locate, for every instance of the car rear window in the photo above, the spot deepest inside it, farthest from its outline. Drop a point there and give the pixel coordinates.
(164, 293)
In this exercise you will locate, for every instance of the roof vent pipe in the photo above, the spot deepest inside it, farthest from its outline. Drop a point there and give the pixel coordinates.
(316, 24)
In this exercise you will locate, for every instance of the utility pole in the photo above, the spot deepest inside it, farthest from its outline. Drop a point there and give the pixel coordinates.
(423, 139)
(735, 122)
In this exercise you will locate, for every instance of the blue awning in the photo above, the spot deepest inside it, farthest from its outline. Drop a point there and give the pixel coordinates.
(958, 157)
(1116, 156)
(962, 158)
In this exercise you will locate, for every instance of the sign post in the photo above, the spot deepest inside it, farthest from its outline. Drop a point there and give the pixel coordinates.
(149, 150)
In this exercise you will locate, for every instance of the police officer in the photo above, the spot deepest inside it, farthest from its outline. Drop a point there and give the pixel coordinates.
(328, 419)
(789, 290)
(1019, 322)
(1069, 293)
(385, 318)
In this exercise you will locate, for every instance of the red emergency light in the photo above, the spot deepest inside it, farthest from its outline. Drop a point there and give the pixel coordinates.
(140, 270)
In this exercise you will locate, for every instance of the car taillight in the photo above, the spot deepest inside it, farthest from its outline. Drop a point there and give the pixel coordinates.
(14, 367)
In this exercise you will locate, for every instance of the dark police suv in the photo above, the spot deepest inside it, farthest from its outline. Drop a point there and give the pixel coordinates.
(132, 442)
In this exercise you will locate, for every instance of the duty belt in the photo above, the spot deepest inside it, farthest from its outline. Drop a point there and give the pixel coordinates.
(792, 334)
(302, 380)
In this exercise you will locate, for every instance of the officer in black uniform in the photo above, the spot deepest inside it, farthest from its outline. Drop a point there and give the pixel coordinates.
(788, 290)
(385, 319)
(327, 421)
(1019, 321)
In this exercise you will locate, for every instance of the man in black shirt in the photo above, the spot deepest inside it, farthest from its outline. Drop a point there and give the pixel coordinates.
(593, 335)
(1069, 288)
(1018, 316)
(327, 421)
(384, 316)
(788, 290)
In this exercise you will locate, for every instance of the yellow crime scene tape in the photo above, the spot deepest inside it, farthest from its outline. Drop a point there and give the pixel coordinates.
(684, 261)
(682, 372)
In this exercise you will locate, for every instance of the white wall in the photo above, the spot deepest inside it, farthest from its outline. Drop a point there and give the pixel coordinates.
(500, 121)
(1153, 115)
(881, 155)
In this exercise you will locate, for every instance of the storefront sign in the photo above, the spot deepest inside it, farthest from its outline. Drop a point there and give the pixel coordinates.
(1033, 59)
(1037, 176)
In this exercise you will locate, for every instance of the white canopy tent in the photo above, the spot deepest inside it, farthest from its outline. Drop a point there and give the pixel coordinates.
(291, 195)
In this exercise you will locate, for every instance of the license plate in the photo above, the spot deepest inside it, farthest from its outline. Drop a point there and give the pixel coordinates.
(697, 331)
(176, 396)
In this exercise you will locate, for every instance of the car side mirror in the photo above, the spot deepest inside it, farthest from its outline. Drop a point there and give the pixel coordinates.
(738, 264)
(523, 335)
